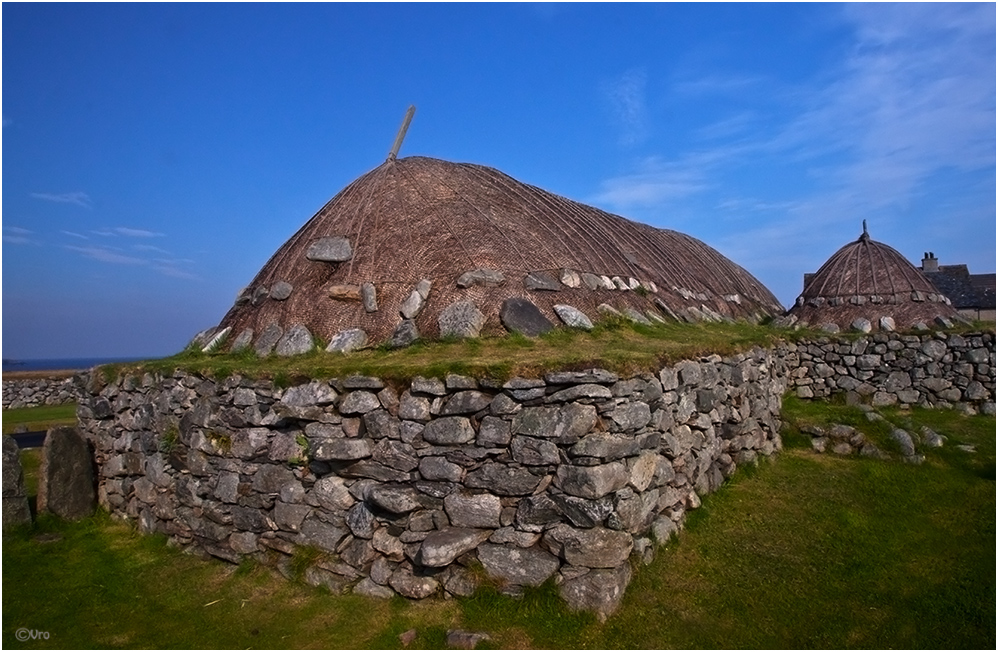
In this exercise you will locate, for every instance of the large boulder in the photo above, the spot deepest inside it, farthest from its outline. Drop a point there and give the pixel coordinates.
(521, 316)
(66, 480)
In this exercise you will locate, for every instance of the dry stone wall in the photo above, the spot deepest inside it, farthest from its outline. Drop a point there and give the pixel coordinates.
(930, 369)
(32, 392)
(418, 489)
(409, 489)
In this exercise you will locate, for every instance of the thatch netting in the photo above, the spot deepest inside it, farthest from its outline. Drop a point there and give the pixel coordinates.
(420, 218)
(868, 279)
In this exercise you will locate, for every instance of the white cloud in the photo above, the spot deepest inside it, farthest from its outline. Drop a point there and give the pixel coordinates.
(150, 248)
(137, 233)
(626, 95)
(78, 198)
(654, 183)
(717, 84)
(874, 135)
(17, 235)
(75, 235)
(107, 255)
(174, 261)
(174, 272)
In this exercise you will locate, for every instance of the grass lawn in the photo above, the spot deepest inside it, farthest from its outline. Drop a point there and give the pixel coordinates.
(39, 418)
(614, 344)
(803, 551)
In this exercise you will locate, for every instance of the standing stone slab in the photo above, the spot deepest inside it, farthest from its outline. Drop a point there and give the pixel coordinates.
(66, 478)
(521, 316)
(15, 498)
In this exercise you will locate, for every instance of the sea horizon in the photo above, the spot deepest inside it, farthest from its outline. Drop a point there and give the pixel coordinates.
(54, 364)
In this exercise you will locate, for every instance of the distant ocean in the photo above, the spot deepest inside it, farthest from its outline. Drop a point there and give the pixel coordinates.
(60, 363)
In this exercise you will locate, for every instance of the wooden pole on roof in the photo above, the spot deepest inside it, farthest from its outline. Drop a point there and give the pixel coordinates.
(401, 135)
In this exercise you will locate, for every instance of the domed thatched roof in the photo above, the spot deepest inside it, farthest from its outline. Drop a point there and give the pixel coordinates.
(417, 238)
(868, 280)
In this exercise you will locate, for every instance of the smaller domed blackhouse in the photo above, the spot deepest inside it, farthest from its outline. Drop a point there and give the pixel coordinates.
(867, 285)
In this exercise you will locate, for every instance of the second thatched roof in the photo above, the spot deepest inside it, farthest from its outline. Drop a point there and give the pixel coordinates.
(868, 280)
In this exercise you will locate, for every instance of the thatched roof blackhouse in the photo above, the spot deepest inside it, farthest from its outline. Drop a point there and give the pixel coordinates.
(424, 247)
(869, 281)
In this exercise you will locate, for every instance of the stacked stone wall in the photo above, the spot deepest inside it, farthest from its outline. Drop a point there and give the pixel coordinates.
(930, 369)
(407, 489)
(420, 488)
(32, 392)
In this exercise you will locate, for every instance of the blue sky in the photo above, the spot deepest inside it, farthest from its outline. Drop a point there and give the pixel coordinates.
(155, 156)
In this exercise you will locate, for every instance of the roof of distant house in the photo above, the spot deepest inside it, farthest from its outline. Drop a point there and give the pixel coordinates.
(965, 290)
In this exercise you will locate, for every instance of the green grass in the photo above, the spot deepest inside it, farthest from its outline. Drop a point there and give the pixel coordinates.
(804, 551)
(619, 346)
(39, 418)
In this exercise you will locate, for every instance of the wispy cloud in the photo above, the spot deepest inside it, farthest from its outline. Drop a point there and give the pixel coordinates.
(170, 267)
(626, 95)
(717, 84)
(150, 248)
(75, 235)
(655, 182)
(176, 272)
(107, 255)
(17, 235)
(172, 262)
(78, 198)
(873, 135)
(137, 233)
(128, 232)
